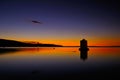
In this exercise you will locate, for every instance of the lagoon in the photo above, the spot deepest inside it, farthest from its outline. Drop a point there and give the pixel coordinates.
(59, 62)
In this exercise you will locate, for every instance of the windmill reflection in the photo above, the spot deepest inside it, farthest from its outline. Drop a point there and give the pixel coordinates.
(83, 54)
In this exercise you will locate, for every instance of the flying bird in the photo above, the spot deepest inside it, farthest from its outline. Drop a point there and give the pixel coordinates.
(34, 21)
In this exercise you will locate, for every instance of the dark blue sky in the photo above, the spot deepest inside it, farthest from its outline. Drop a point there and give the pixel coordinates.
(62, 20)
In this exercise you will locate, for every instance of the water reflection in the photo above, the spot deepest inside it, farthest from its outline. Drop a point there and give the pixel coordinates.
(83, 54)
(59, 61)
(7, 50)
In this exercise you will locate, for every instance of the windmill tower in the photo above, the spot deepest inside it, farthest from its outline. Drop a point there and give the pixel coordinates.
(83, 45)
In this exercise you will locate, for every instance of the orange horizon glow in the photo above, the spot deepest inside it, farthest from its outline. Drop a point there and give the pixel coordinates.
(75, 42)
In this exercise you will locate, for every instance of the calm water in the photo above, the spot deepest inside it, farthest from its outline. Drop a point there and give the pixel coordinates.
(59, 61)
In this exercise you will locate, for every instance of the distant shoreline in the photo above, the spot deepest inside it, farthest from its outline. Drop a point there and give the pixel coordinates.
(13, 43)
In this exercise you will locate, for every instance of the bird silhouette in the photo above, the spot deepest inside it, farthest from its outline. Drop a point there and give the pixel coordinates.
(38, 22)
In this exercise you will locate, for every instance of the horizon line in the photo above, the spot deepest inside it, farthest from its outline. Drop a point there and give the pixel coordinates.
(68, 45)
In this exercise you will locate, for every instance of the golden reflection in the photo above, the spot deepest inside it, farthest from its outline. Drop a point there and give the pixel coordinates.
(45, 52)
(104, 52)
(60, 52)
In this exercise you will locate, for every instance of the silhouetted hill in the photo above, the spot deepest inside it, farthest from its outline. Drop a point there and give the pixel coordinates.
(13, 43)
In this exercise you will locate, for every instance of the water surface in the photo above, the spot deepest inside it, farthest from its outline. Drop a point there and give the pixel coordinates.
(59, 61)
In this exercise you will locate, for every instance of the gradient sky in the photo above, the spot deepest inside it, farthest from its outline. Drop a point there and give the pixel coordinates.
(65, 22)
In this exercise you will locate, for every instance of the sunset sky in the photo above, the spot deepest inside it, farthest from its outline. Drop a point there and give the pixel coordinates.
(64, 22)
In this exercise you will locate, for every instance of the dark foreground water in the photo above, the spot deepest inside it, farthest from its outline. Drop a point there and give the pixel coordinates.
(59, 63)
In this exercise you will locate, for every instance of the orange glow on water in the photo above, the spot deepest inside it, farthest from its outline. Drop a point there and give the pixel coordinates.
(105, 52)
(43, 53)
(62, 53)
